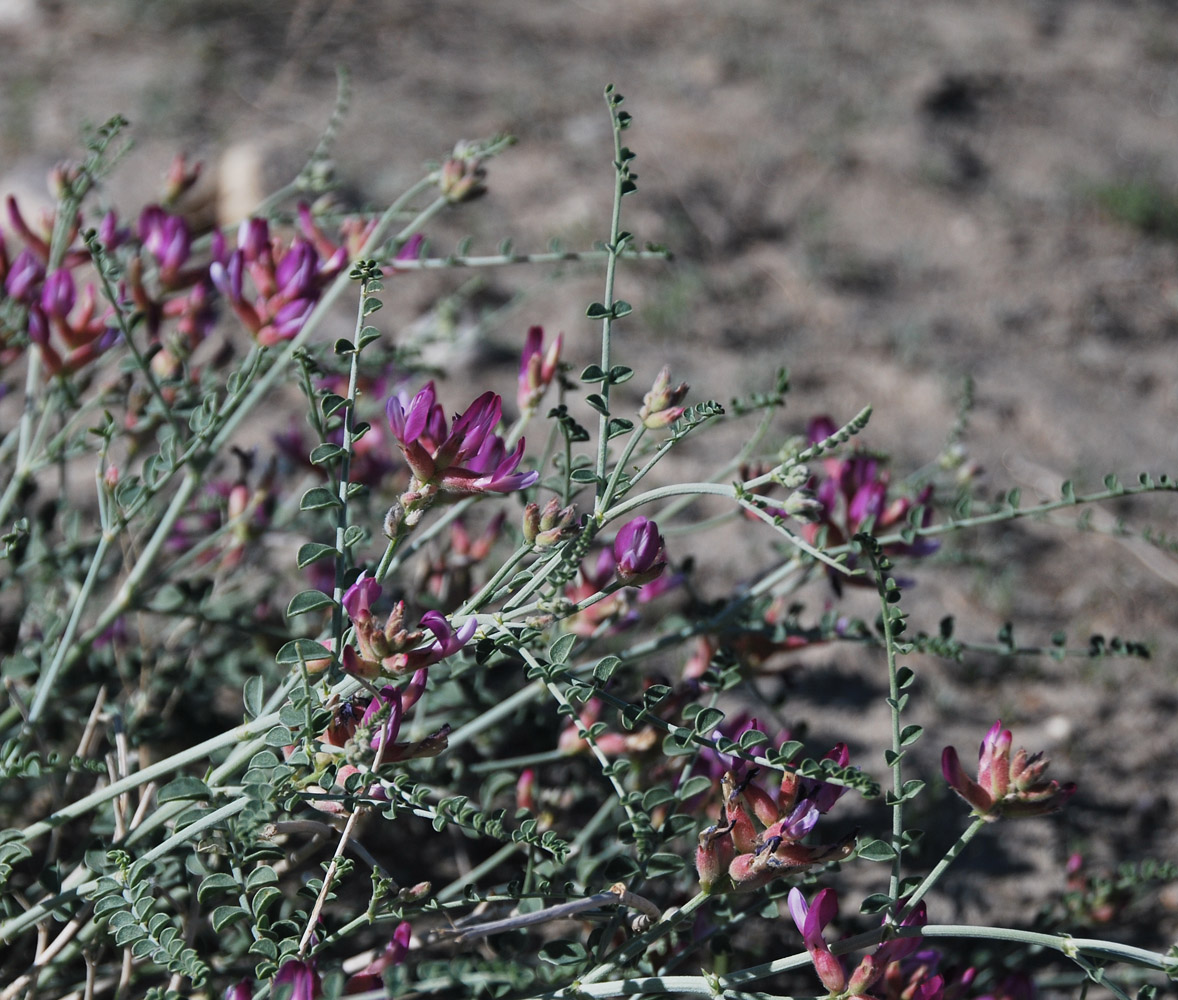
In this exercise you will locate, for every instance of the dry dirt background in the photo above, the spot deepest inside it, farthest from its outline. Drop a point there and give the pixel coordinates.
(885, 197)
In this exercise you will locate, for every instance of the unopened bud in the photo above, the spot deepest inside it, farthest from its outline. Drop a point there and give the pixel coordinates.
(394, 520)
(462, 175)
(414, 893)
(179, 178)
(804, 505)
(530, 525)
(556, 524)
(660, 406)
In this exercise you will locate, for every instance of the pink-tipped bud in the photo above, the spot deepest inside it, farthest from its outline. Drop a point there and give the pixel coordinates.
(180, 177)
(660, 406)
(525, 790)
(537, 367)
(462, 175)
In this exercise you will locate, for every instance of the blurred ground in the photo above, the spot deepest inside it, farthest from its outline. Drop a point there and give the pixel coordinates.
(884, 197)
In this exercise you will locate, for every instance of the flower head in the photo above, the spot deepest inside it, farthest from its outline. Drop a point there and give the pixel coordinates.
(639, 552)
(297, 980)
(1006, 786)
(287, 281)
(390, 649)
(454, 460)
(537, 367)
(811, 920)
(371, 976)
(757, 858)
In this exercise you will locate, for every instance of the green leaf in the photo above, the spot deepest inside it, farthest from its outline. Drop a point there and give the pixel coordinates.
(302, 651)
(1068, 491)
(127, 934)
(672, 747)
(622, 308)
(266, 897)
(621, 869)
(325, 453)
(877, 850)
(707, 720)
(559, 649)
(183, 787)
(664, 864)
(697, 784)
(109, 904)
(308, 600)
(593, 373)
(332, 403)
(262, 875)
(583, 476)
(371, 305)
(226, 916)
(657, 796)
(752, 738)
(619, 374)
(367, 336)
(605, 669)
(598, 403)
(318, 498)
(279, 736)
(311, 552)
(218, 882)
(875, 902)
(786, 752)
(596, 311)
(616, 426)
(253, 695)
(909, 735)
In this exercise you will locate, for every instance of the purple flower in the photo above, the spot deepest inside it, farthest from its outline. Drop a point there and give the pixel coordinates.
(26, 272)
(370, 977)
(391, 697)
(639, 552)
(301, 977)
(167, 239)
(397, 703)
(537, 367)
(286, 282)
(811, 920)
(446, 642)
(1006, 786)
(58, 295)
(452, 461)
(359, 596)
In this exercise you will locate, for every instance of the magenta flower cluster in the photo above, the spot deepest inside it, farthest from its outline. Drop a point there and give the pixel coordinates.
(286, 280)
(388, 648)
(451, 460)
(734, 857)
(1006, 786)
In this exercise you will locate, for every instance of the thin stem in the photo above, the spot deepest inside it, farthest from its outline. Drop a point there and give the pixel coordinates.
(612, 486)
(670, 920)
(934, 876)
(499, 260)
(621, 181)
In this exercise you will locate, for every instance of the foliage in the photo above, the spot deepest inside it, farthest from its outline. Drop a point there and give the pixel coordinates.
(388, 700)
